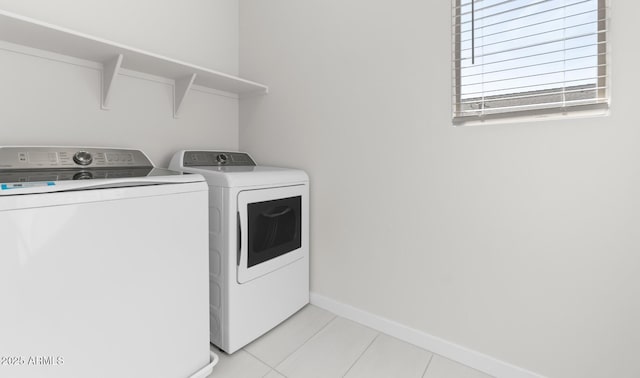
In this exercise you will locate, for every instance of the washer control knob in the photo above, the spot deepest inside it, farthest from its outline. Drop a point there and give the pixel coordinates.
(82, 158)
(222, 159)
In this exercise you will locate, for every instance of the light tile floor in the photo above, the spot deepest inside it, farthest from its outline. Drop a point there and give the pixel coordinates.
(316, 343)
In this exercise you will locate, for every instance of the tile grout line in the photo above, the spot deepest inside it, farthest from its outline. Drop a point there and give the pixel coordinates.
(361, 354)
(257, 358)
(272, 370)
(428, 364)
(305, 342)
(277, 371)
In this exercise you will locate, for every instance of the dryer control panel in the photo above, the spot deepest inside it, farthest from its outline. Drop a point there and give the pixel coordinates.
(216, 158)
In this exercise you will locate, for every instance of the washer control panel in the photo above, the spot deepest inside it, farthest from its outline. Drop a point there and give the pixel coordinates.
(70, 157)
(216, 158)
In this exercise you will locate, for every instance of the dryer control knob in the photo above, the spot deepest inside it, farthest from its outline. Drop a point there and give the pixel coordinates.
(82, 158)
(222, 158)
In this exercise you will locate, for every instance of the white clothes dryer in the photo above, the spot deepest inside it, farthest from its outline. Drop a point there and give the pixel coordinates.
(258, 243)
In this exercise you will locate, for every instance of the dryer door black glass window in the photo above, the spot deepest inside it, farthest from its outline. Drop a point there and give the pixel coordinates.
(274, 228)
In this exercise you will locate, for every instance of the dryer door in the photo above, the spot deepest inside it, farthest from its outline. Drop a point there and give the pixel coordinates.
(269, 229)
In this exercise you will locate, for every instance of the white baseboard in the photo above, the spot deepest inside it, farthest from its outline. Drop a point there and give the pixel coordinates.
(466, 356)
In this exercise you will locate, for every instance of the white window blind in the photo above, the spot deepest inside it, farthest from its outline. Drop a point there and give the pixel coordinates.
(523, 57)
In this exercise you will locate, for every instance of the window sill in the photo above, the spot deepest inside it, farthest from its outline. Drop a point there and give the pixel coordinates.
(601, 110)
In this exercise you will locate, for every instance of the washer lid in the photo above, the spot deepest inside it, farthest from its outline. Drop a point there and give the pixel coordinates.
(17, 183)
(27, 170)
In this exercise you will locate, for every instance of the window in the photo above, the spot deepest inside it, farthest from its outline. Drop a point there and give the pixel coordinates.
(525, 57)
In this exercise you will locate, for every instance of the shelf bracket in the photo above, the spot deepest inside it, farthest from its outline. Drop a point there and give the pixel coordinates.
(180, 90)
(110, 70)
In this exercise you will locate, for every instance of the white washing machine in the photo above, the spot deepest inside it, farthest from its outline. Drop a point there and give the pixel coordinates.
(258, 243)
(103, 266)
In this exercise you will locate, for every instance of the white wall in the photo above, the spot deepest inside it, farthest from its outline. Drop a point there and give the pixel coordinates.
(202, 32)
(54, 103)
(519, 241)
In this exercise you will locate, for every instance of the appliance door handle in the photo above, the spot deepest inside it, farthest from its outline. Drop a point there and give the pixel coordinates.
(276, 214)
(239, 239)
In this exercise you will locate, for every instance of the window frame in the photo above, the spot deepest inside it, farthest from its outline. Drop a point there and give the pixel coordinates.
(603, 78)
